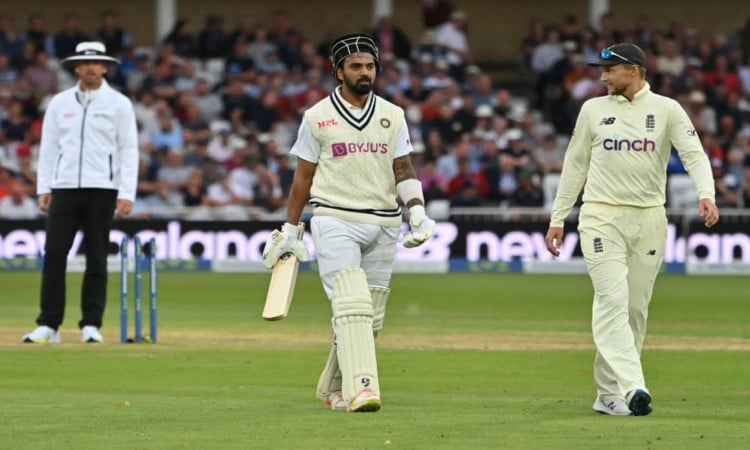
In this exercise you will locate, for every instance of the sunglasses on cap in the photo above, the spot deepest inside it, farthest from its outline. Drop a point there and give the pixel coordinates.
(607, 54)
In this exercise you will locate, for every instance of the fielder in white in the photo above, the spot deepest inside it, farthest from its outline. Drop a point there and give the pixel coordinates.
(353, 162)
(619, 150)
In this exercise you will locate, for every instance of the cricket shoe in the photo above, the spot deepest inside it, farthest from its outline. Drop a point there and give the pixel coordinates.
(336, 401)
(639, 401)
(366, 401)
(90, 334)
(611, 405)
(42, 335)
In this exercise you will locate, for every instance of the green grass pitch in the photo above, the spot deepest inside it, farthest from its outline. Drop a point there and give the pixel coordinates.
(467, 361)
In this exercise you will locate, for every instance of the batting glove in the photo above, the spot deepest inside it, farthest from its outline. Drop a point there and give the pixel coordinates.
(421, 227)
(279, 243)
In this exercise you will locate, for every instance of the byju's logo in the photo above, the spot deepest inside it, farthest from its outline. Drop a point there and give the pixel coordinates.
(607, 121)
(635, 145)
(338, 149)
(344, 148)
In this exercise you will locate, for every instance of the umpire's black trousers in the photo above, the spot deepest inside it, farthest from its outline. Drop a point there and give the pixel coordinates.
(92, 211)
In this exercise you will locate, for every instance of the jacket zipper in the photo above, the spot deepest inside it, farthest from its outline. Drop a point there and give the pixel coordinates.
(80, 154)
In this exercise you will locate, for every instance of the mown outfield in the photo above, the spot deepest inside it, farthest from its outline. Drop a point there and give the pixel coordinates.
(466, 361)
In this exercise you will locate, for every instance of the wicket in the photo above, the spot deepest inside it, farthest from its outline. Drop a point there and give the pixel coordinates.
(150, 252)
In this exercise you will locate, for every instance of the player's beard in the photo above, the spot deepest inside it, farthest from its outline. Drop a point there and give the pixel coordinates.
(614, 89)
(362, 86)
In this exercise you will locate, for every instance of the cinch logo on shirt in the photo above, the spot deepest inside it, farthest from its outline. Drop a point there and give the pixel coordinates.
(636, 145)
(345, 148)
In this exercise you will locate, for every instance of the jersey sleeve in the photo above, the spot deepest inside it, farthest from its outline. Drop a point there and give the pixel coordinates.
(306, 146)
(403, 143)
(575, 169)
(685, 140)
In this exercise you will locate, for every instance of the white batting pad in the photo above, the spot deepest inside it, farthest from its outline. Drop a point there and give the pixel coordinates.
(352, 312)
(379, 296)
(330, 378)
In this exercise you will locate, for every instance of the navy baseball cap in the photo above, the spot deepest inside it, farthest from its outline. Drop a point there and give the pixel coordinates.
(621, 54)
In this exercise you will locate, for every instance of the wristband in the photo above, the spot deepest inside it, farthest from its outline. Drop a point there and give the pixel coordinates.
(288, 228)
(409, 190)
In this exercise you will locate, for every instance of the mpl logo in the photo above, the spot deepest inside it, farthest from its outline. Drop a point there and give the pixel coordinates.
(327, 123)
(635, 145)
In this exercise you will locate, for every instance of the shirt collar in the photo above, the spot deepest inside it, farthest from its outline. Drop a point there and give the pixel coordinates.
(93, 91)
(638, 97)
(337, 93)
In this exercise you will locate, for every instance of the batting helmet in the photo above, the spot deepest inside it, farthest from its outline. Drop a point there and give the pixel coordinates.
(349, 44)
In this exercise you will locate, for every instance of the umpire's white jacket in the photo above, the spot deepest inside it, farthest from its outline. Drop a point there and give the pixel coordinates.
(89, 141)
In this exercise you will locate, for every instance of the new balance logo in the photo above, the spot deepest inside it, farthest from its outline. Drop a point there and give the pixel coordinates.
(651, 252)
(598, 245)
(607, 121)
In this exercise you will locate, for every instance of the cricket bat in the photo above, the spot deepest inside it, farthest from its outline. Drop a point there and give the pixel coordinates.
(281, 287)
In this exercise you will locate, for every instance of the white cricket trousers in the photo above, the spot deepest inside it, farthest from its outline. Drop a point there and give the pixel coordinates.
(623, 247)
(341, 244)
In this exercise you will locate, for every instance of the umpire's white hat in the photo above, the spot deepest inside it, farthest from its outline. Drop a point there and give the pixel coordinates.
(89, 51)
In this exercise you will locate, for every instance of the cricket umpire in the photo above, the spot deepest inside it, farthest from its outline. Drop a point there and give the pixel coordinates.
(619, 149)
(87, 174)
(353, 162)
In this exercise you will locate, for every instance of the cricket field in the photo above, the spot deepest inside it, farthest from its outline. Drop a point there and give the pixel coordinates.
(466, 361)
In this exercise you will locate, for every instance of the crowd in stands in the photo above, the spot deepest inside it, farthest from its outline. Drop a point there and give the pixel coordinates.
(709, 74)
(218, 105)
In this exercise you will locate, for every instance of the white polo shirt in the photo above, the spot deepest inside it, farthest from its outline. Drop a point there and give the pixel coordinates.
(620, 150)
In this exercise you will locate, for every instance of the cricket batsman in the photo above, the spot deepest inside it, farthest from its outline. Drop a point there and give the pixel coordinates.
(353, 162)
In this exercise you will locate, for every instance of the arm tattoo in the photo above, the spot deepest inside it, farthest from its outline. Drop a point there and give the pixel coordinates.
(402, 169)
